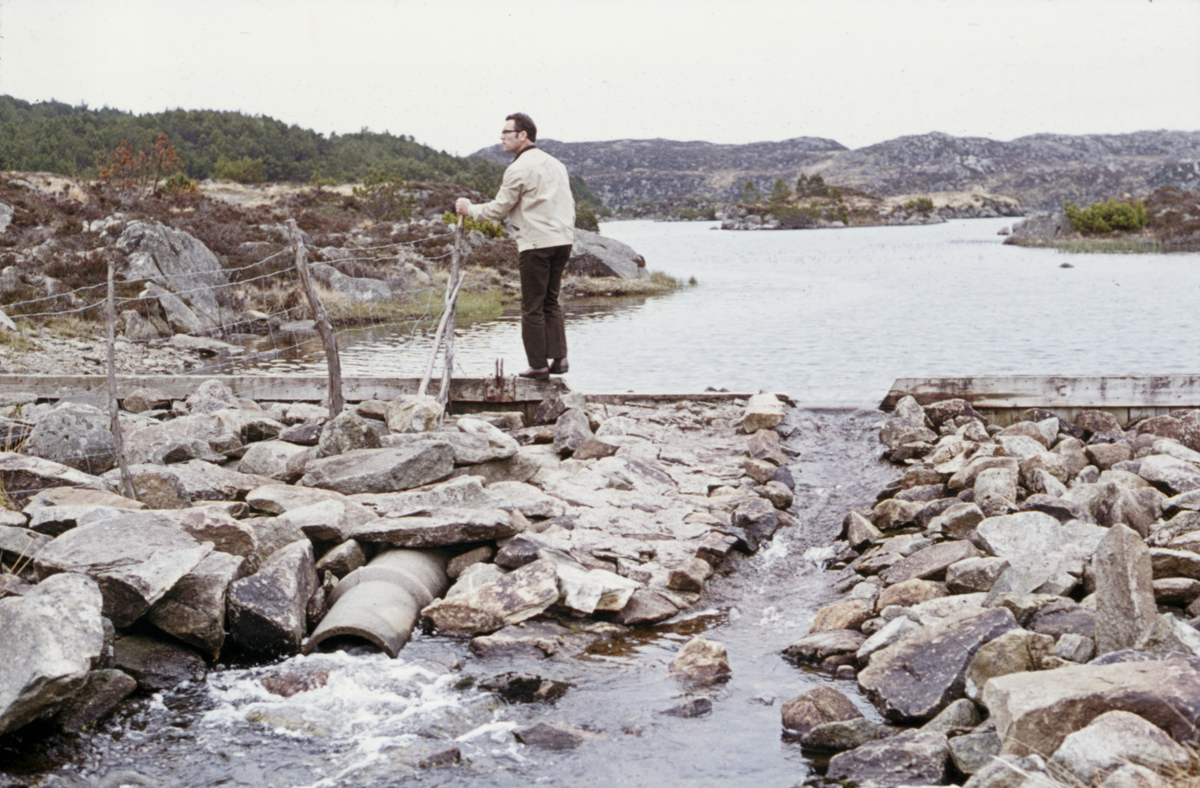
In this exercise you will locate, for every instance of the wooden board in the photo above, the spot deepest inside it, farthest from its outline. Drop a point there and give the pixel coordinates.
(1128, 397)
(283, 388)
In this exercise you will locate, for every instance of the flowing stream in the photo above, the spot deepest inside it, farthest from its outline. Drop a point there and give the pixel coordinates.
(829, 317)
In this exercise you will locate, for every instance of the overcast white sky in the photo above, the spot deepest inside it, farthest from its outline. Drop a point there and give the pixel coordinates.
(447, 72)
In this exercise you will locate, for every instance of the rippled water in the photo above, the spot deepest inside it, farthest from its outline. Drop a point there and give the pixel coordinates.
(833, 317)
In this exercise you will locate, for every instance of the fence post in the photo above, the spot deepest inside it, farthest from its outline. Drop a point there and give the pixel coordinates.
(113, 408)
(333, 363)
(449, 316)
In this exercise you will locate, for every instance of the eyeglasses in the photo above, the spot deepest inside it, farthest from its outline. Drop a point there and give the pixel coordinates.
(508, 131)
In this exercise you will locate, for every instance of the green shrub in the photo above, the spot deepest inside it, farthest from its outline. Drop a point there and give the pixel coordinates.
(586, 219)
(384, 196)
(178, 183)
(1107, 216)
(780, 191)
(490, 229)
(922, 204)
(244, 170)
(750, 194)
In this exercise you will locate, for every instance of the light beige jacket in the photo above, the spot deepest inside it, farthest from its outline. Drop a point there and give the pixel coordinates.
(536, 197)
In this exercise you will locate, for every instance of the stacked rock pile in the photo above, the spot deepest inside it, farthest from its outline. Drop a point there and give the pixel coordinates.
(1022, 605)
(250, 516)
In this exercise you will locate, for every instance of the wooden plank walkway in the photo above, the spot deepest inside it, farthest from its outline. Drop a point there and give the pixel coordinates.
(1003, 397)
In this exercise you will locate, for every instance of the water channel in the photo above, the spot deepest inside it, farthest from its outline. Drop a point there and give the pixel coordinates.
(829, 317)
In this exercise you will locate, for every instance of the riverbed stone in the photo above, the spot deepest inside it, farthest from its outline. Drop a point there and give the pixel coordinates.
(194, 609)
(1169, 473)
(447, 526)
(101, 692)
(1035, 712)
(846, 614)
(764, 411)
(909, 758)
(23, 476)
(817, 647)
(275, 459)
(381, 470)
(157, 665)
(1013, 652)
(1113, 740)
(974, 574)
(647, 606)
(1125, 605)
(53, 636)
(957, 521)
(815, 707)
(908, 593)
(510, 599)
(346, 432)
(701, 661)
(76, 435)
(930, 562)
(135, 563)
(842, 735)
(267, 610)
(916, 677)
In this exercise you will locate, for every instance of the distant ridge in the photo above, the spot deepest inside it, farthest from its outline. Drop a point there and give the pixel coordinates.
(1040, 170)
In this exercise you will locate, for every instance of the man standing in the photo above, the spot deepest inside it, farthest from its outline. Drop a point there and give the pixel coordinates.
(536, 196)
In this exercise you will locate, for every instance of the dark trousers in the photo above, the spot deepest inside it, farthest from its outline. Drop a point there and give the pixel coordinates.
(542, 327)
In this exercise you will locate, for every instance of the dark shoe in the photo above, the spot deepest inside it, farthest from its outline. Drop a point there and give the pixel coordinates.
(559, 366)
(536, 374)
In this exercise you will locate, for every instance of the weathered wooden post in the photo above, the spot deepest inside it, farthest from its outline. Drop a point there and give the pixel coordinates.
(333, 363)
(449, 317)
(113, 407)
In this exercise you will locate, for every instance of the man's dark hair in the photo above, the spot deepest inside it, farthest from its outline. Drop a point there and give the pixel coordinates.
(522, 122)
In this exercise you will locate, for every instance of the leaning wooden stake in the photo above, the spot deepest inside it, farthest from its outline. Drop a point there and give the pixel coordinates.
(449, 314)
(456, 276)
(113, 408)
(332, 362)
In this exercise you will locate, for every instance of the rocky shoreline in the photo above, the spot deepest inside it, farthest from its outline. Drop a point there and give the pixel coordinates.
(252, 519)
(868, 211)
(1021, 606)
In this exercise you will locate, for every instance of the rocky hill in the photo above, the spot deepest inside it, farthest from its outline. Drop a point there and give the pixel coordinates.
(1041, 170)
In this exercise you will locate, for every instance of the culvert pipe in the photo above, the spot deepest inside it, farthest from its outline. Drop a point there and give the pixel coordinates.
(381, 602)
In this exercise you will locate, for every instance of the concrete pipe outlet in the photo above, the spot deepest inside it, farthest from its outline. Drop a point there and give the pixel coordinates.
(381, 602)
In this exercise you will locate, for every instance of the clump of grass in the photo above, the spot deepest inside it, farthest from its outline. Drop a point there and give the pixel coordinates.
(17, 341)
(658, 283)
(1127, 245)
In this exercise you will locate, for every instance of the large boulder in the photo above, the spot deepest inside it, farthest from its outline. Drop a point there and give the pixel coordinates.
(1125, 604)
(22, 476)
(815, 707)
(194, 609)
(357, 289)
(183, 274)
(77, 435)
(911, 758)
(445, 526)
(1114, 740)
(268, 610)
(515, 597)
(52, 636)
(1035, 712)
(381, 470)
(134, 561)
(919, 675)
(597, 255)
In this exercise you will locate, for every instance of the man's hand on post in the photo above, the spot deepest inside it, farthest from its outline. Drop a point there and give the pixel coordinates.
(461, 205)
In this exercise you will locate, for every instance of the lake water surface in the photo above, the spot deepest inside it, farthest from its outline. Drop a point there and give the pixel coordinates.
(833, 317)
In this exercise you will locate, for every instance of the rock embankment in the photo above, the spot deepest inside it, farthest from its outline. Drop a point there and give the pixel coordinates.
(1021, 601)
(253, 518)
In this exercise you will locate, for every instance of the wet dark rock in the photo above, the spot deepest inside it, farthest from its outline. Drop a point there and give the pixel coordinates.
(817, 647)
(101, 692)
(536, 639)
(525, 688)
(194, 609)
(696, 707)
(844, 735)
(267, 610)
(552, 736)
(156, 664)
(910, 758)
(450, 756)
(815, 707)
(292, 682)
(701, 661)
